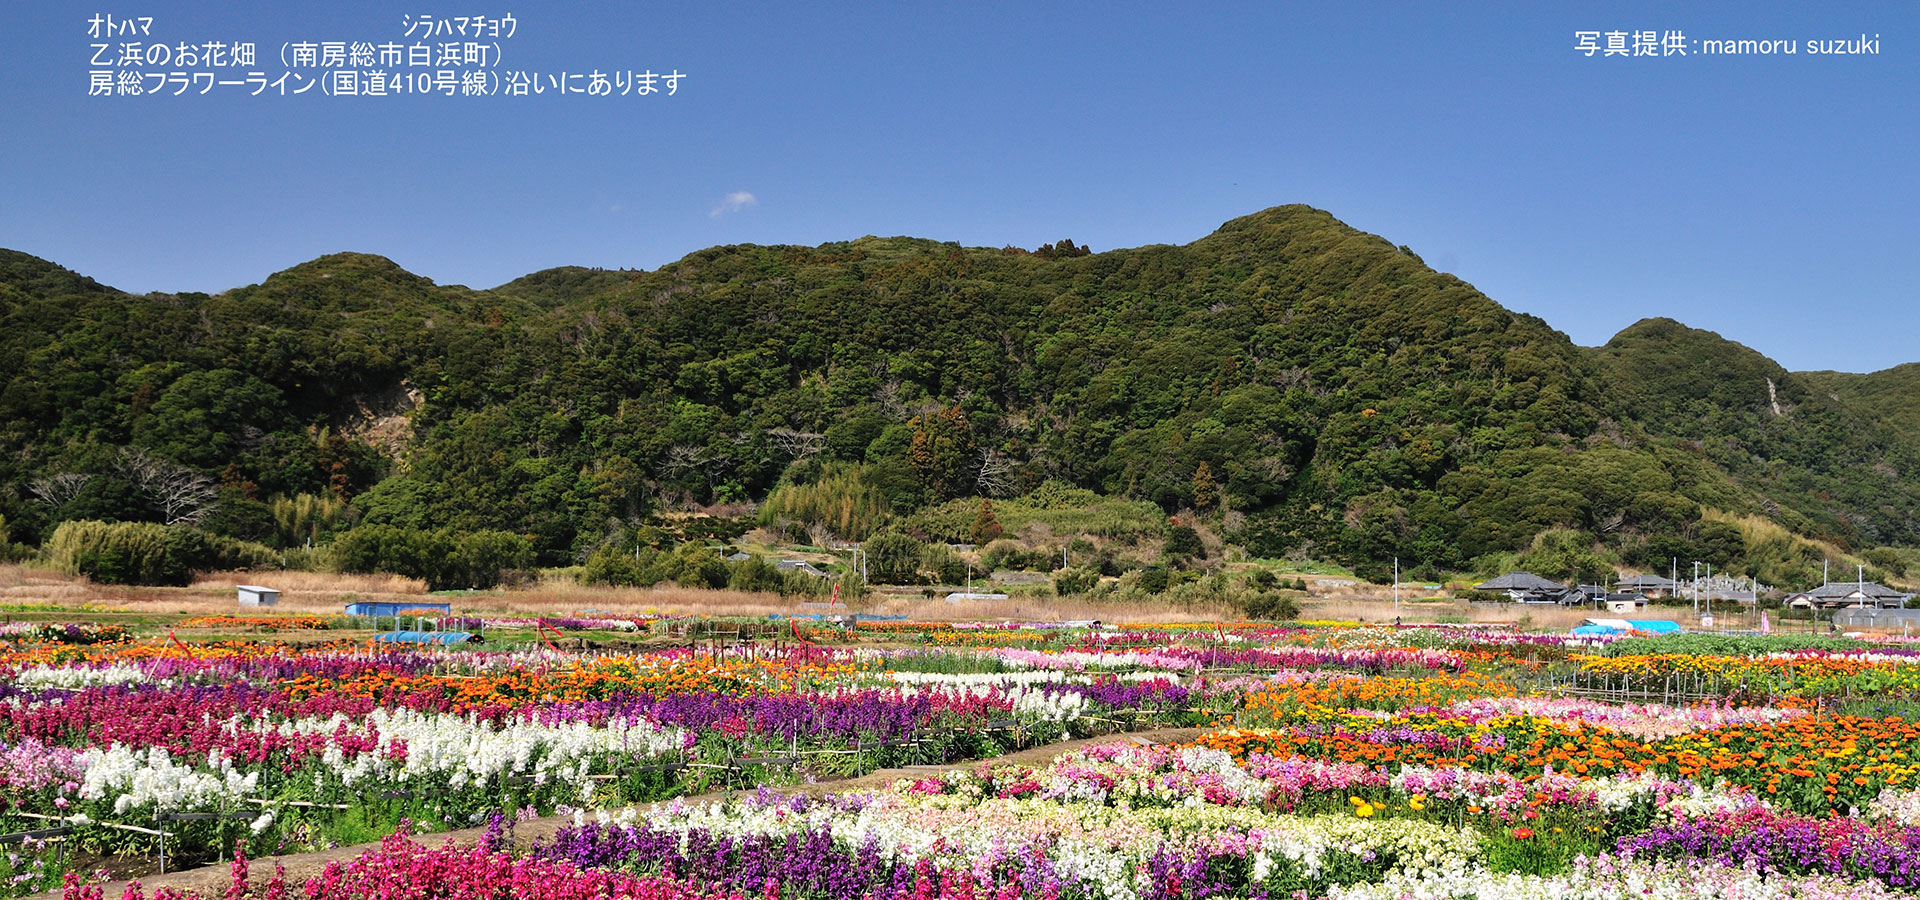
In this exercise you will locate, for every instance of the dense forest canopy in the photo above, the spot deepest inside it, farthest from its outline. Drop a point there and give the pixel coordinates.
(1302, 387)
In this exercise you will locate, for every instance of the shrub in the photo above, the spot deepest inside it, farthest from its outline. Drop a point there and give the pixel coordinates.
(1068, 582)
(621, 568)
(894, 558)
(1063, 510)
(147, 553)
(305, 518)
(1183, 540)
(694, 565)
(483, 559)
(947, 566)
(756, 574)
(842, 499)
(223, 552)
(1270, 605)
(1153, 579)
(317, 559)
(442, 558)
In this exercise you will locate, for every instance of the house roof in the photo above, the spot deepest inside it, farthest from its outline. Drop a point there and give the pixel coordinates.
(1845, 589)
(1646, 583)
(1520, 581)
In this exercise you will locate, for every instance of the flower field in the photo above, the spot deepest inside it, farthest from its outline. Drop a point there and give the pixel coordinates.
(1324, 761)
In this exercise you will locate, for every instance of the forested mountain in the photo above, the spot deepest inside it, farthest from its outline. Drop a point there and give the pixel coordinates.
(1827, 453)
(1303, 387)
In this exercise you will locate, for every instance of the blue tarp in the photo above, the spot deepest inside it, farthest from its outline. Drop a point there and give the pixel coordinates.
(424, 637)
(389, 608)
(1656, 626)
(1641, 626)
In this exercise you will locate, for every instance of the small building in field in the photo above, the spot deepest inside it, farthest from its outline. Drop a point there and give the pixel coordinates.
(393, 608)
(1624, 603)
(255, 595)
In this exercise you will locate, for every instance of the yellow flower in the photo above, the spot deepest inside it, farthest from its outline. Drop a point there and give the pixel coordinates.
(1419, 802)
(1365, 811)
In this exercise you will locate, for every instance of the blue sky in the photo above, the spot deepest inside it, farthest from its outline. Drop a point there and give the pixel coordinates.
(1769, 198)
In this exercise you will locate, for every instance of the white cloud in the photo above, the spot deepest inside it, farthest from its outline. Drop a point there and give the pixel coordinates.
(734, 202)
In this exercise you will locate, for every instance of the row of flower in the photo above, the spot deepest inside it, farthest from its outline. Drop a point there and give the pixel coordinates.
(402, 868)
(293, 737)
(1869, 672)
(1127, 824)
(1813, 763)
(1356, 762)
(1119, 822)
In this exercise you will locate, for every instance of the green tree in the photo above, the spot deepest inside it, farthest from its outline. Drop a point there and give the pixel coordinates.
(894, 558)
(203, 418)
(1075, 581)
(756, 575)
(985, 526)
(942, 450)
(1206, 494)
(1184, 541)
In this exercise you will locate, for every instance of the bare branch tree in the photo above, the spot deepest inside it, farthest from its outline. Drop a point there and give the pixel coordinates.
(796, 444)
(58, 490)
(997, 475)
(182, 495)
(681, 457)
(888, 397)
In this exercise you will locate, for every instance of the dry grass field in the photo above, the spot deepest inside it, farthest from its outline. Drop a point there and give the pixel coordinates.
(324, 593)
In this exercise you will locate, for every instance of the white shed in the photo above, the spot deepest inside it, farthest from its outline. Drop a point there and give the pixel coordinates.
(255, 595)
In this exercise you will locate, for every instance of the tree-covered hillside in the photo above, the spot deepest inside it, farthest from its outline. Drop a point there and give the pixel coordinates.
(1844, 471)
(1297, 385)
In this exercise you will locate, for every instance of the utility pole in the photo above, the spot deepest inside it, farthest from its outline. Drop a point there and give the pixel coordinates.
(1696, 588)
(1396, 587)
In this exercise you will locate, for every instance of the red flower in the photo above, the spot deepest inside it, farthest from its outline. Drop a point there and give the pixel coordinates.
(1523, 832)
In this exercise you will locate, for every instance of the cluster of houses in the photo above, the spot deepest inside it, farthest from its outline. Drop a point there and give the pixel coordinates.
(1630, 595)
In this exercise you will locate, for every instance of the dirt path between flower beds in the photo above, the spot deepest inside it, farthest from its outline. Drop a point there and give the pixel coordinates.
(212, 880)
